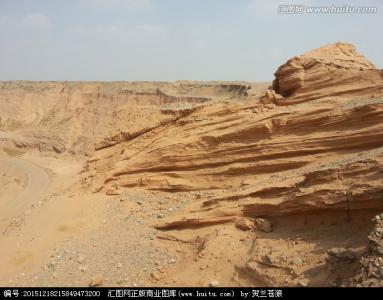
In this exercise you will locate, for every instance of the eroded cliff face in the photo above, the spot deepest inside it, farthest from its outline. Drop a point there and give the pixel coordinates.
(284, 159)
(77, 117)
(332, 70)
(264, 159)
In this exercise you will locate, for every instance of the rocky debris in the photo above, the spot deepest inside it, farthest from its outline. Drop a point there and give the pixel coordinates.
(77, 259)
(81, 258)
(155, 276)
(263, 225)
(370, 273)
(376, 236)
(340, 255)
(96, 281)
(244, 224)
(297, 261)
(172, 261)
(303, 282)
(214, 283)
(83, 268)
(268, 259)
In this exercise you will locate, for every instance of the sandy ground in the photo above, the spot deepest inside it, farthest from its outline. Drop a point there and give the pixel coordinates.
(36, 183)
(60, 237)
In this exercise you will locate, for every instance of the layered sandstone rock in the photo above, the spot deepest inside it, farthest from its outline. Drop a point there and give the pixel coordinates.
(266, 160)
(332, 70)
(76, 117)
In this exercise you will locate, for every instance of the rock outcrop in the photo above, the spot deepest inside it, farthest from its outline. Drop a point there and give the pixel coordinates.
(266, 159)
(333, 70)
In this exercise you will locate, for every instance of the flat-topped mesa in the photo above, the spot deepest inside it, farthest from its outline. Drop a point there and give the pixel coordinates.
(331, 70)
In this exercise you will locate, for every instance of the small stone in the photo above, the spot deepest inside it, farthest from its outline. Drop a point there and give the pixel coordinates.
(303, 282)
(214, 283)
(96, 281)
(119, 265)
(244, 224)
(82, 268)
(155, 276)
(297, 261)
(173, 261)
(263, 225)
(268, 259)
(341, 254)
(81, 258)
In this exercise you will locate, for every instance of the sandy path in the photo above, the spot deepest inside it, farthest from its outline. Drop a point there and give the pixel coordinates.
(37, 184)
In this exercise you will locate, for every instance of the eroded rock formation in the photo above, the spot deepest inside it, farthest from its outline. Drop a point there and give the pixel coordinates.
(332, 70)
(266, 159)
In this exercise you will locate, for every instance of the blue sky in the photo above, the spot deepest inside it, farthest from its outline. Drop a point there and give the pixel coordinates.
(170, 39)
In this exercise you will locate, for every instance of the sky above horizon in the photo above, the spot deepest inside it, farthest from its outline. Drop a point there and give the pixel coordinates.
(171, 39)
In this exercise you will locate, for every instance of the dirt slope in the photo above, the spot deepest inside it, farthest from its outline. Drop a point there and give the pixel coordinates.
(36, 182)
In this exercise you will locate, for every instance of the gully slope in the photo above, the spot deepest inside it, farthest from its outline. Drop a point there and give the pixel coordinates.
(36, 183)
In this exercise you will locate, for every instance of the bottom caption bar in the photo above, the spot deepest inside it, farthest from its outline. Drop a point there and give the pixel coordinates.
(191, 293)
